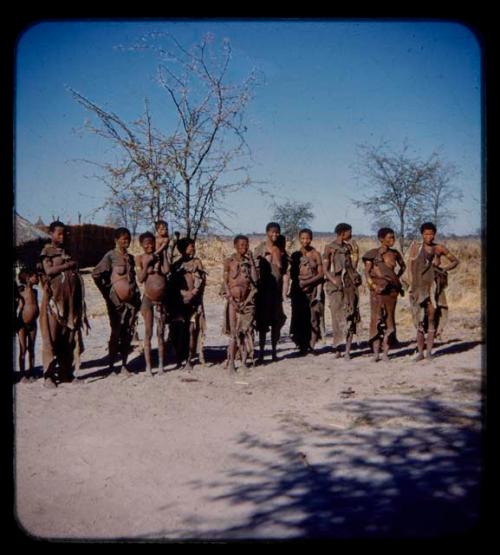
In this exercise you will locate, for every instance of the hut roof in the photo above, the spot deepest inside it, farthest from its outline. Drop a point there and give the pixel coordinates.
(26, 231)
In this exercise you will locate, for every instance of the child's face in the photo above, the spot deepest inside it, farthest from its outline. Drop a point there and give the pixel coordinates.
(241, 246)
(33, 279)
(305, 239)
(162, 230)
(148, 245)
(273, 234)
(388, 240)
(57, 235)
(428, 236)
(123, 242)
(190, 250)
(346, 235)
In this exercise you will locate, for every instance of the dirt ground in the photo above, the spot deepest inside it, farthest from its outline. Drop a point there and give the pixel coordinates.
(305, 447)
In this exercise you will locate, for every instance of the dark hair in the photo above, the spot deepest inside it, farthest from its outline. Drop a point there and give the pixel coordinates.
(306, 230)
(273, 225)
(427, 225)
(161, 222)
(240, 238)
(183, 243)
(120, 231)
(340, 228)
(55, 224)
(146, 235)
(25, 273)
(383, 231)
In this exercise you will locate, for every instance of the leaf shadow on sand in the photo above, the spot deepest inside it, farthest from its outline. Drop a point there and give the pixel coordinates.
(370, 479)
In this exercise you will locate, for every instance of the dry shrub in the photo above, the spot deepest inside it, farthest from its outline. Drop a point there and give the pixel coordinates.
(463, 293)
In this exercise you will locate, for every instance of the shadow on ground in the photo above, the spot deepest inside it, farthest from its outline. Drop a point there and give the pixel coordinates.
(371, 479)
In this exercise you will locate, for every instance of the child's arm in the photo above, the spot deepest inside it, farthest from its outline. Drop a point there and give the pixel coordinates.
(142, 267)
(442, 250)
(101, 275)
(52, 269)
(326, 264)
(225, 278)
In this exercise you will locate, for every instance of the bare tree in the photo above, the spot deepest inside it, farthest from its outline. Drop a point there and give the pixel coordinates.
(140, 170)
(125, 211)
(440, 193)
(401, 188)
(292, 217)
(188, 171)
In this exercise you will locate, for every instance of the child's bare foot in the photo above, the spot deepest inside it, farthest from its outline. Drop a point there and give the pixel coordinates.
(419, 357)
(125, 372)
(385, 357)
(49, 383)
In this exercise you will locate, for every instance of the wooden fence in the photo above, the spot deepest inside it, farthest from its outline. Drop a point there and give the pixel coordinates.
(86, 243)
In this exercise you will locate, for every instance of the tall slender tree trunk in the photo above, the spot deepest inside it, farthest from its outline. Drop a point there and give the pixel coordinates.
(188, 209)
(402, 233)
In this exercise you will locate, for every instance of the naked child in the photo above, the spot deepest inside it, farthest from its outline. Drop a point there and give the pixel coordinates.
(26, 321)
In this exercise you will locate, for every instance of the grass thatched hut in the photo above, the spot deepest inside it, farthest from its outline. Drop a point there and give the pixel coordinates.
(29, 241)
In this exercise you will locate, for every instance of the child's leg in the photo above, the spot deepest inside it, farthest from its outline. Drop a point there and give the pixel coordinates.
(376, 349)
(348, 345)
(160, 336)
(31, 349)
(147, 316)
(22, 336)
(232, 348)
(262, 343)
(114, 337)
(275, 336)
(431, 331)
(192, 337)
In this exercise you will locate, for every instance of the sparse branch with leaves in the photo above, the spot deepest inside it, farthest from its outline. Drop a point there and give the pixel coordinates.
(187, 171)
(404, 190)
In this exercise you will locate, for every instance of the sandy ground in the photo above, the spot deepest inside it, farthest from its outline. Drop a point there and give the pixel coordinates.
(305, 447)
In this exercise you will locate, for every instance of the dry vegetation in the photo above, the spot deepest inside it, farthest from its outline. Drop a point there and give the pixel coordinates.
(464, 290)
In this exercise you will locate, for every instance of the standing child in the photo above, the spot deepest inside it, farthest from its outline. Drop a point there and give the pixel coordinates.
(384, 285)
(340, 260)
(185, 304)
(272, 265)
(428, 281)
(27, 315)
(153, 269)
(306, 293)
(239, 288)
(114, 276)
(62, 310)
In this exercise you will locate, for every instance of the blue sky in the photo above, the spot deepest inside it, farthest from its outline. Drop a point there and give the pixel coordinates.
(329, 86)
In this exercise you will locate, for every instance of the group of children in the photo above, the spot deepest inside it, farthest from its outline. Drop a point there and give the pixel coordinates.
(254, 287)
